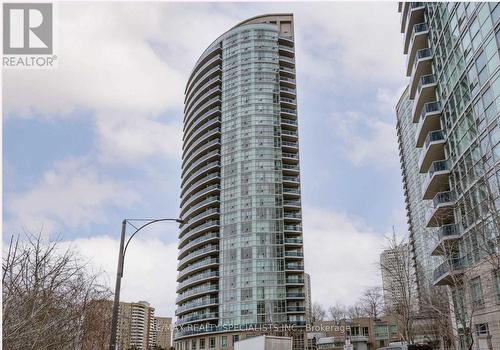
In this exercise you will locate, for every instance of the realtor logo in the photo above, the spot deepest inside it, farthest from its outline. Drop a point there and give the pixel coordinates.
(27, 29)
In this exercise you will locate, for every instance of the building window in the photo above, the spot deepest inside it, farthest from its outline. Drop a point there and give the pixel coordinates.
(202, 343)
(193, 344)
(482, 329)
(236, 338)
(212, 343)
(496, 277)
(476, 292)
(223, 341)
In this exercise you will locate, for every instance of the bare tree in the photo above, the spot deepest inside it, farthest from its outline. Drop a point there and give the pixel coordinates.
(372, 302)
(318, 312)
(337, 312)
(46, 290)
(355, 311)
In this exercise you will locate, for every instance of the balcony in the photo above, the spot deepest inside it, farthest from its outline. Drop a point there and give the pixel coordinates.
(291, 180)
(289, 112)
(287, 72)
(287, 61)
(433, 150)
(287, 145)
(448, 235)
(286, 50)
(295, 280)
(418, 41)
(295, 295)
(289, 103)
(207, 226)
(293, 241)
(294, 216)
(195, 305)
(197, 254)
(198, 266)
(211, 237)
(294, 267)
(290, 92)
(294, 254)
(290, 203)
(293, 228)
(202, 289)
(421, 65)
(437, 179)
(412, 14)
(426, 92)
(197, 317)
(295, 309)
(292, 192)
(450, 271)
(287, 81)
(197, 279)
(430, 118)
(290, 157)
(441, 212)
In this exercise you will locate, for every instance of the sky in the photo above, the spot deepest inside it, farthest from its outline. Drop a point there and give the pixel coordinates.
(98, 139)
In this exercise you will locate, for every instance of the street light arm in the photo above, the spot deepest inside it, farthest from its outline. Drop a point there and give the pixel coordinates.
(140, 228)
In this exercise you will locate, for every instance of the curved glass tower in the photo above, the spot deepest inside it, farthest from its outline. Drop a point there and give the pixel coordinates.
(240, 251)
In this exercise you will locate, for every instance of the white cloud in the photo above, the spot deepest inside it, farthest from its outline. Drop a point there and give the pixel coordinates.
(71, 195)
(134, 139)
(149, 269)
(364, 140)
(341, 254)
(350, 41)
(104, 62)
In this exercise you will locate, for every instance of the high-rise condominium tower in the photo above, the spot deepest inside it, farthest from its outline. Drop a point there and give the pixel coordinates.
(240, 250)
(453, 65)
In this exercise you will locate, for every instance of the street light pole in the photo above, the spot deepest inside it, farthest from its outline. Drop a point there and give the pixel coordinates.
(119, 271)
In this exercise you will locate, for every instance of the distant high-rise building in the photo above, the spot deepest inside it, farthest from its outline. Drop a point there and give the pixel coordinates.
(136, 326)
(240, 250)
(398, 278)
(308, 302)
(163, 326)
(453, 65)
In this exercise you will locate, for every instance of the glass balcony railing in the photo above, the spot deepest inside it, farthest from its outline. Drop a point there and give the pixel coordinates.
(425, 80)
(290, 155)
(292, 179)
(295, 295)
(419, 28)
(290, 80)
(289, 110)
(198, 277)
(288, 121)
(438, 165)
(449, 266)
(433, 136)
(421, 55)
(448, 230)
(293, 241)
(430, 107)
(294, 254)
(441, 198)
(291, 190)
(293, 228)
(294, 266)
(290, 133)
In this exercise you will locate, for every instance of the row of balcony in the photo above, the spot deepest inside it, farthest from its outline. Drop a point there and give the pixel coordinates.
(198, 278)
(197, 266)
(193, 305)
(197, 254)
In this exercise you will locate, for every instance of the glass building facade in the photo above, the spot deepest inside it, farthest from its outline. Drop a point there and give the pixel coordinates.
(453, 66)
(240, 250)
(421, 237)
